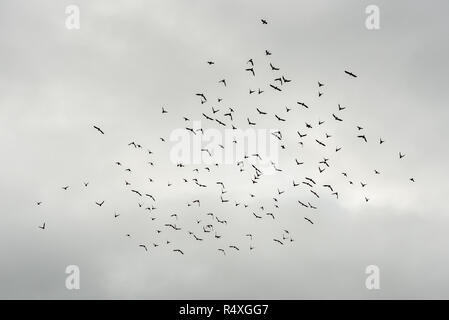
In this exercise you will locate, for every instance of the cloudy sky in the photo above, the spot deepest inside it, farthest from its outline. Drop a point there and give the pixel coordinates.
(131, 58)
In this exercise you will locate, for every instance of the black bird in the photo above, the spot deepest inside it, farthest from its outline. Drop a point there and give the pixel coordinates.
(207, 117)
(320, 84)
(316, 194)
(260, 112)
(308, 220)
(42, 226)
(258, 217)
(303, 204)
(320, 143)
(302, 104)
(210, 63)
(264, 21)
(164, 111)
(350, 73)
(401, 155)
(381, 141)
(251, 70)
(273, 67)
(336, 118)
(65, 188)
(362, 137)
(251, 123)
(177, 250)
(143, 246)
(99, 130)
(340, 108)
(220, 122)
(275, 88)
(277, 117)
(99, 203)
(136, 192)
(201, 95)
(267, 53)
(223, 81)
(278, 241)
(311, 180)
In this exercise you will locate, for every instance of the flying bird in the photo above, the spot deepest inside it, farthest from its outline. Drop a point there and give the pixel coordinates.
(99, 130)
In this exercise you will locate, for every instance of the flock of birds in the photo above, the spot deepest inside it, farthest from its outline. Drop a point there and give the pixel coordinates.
(208, 226)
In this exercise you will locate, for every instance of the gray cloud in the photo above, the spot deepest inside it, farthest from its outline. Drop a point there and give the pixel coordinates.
(130, 58)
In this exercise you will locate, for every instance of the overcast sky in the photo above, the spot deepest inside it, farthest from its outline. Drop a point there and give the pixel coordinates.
(130, 58)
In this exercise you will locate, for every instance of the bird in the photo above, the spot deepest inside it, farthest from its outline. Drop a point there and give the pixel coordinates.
(350, 73)
(273, 67)
(99, 203)
(278, 241)
(136, 192)
(279, 118)
(302, 104)
(143, 246)
(307, 219)
(260, 112)
(362, 137)
(164, 111)
(264, 21)
(99, 130)
(336, 118)
(223, 81)
(252, 71)
(401, 155)
(42, 226)
(178, 250)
